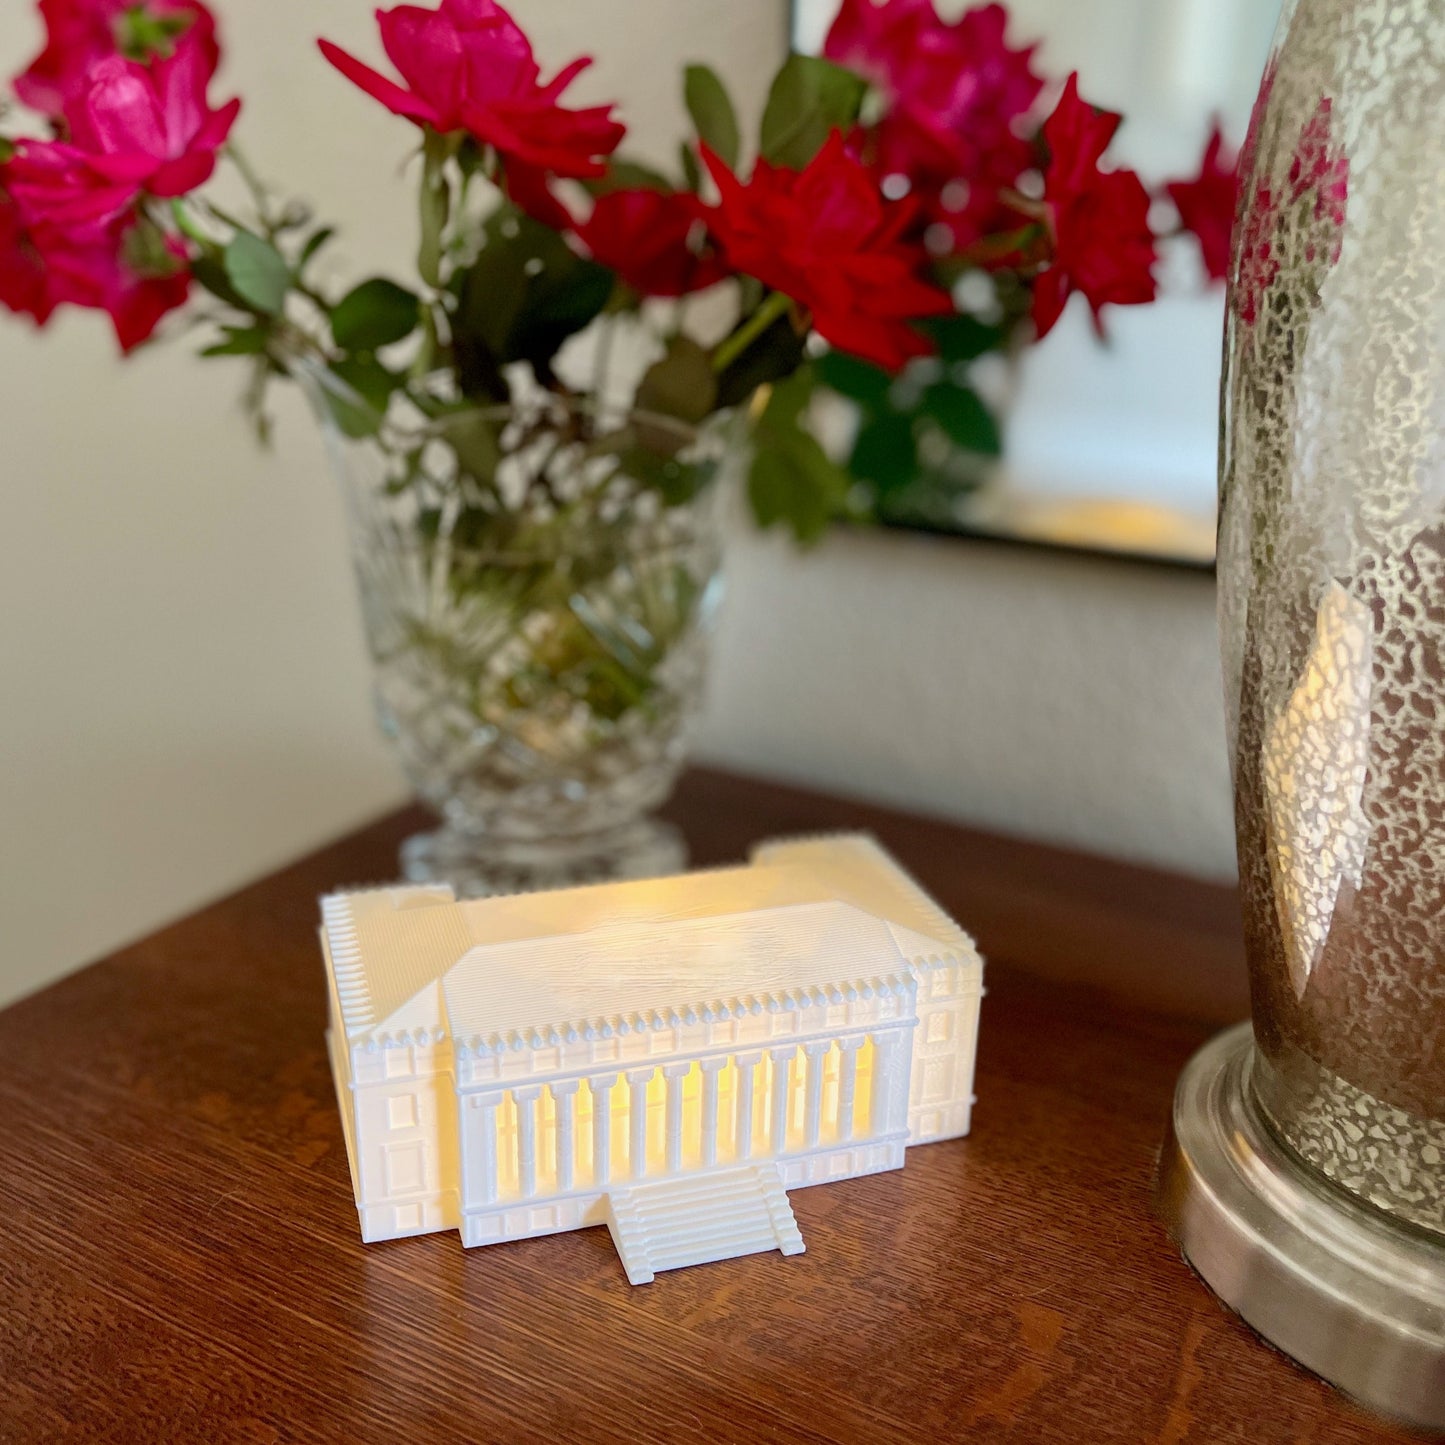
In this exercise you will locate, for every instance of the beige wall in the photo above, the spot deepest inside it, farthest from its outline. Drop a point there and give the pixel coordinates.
(1045, 695)
(184, 684)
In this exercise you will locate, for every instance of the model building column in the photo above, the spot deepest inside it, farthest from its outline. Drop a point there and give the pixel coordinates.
(674, 1074)
(813, 1092)
(480, 1151)
(526, 1101)
(602, 1087)
(883, 1107)
(847, 1083)
(637, 1082)
(747, 1065)
(564, 1096)
(782, 1085)
(710, 1070)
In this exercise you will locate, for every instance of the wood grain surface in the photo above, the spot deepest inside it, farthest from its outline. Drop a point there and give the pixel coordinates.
(179, 1255)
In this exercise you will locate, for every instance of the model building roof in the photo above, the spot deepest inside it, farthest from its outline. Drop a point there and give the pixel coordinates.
(802, 922)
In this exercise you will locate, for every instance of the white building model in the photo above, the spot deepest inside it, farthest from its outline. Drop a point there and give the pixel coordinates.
(664, 1057)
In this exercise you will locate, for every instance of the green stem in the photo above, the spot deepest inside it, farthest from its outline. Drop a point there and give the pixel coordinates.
(254, 185)
(435, 204)
(732, 347)
(601, 366)
(187, 225)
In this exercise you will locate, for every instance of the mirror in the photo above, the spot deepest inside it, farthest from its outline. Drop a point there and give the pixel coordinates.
(1112, 447)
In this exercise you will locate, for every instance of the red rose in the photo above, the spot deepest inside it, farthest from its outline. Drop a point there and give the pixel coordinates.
(1206, 205)
(135, 129)
(467, 66)
(24, 281)
(100, 272)
(654, 240)
(102, 268)
(955, 95)
(80, 33)
(1098, 220)
(828, 238)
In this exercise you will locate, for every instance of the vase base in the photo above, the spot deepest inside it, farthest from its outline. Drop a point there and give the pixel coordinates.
(480, 867)
(1334, 1284)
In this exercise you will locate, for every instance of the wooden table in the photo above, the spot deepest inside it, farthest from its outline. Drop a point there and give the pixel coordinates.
(179, 1256)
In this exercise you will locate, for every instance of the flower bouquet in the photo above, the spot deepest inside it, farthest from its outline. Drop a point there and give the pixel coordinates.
(529, 428)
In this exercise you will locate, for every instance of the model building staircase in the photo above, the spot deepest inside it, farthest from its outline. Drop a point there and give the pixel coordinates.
(698, 1218)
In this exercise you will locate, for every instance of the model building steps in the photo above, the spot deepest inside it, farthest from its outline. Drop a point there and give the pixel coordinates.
(696, 1220)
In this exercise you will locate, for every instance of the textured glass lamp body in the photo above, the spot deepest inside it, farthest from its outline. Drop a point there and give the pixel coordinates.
(538, 591)
(1332, 594)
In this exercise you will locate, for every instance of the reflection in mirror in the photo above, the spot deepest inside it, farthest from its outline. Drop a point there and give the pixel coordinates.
(1109, 447)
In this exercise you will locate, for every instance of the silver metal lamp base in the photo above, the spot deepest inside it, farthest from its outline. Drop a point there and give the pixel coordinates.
(1349, 1294)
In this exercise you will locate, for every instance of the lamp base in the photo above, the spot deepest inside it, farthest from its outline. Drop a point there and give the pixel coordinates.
(1348, 1293)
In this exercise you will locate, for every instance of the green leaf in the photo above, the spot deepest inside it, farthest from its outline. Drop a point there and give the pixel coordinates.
(141, 36)
(682, 384)
(471, 157)
(809, 99)
(691, 167)
(885, 452)
(525, 294)
(561, 300)
(7, 149)
(789, 399)
(473, 437)
(777, 353)
(240, 341)
(860, 381)
(793, 481)
(492, 288)
(353, 413)
(962, 338)
(314, 243)
(712, 113)
(147, 252)
(368, 378)
(258, 273)
(677, 482)
(964, 417)
(374, 314)
(210, 272)
(750, 294)
(479, 373)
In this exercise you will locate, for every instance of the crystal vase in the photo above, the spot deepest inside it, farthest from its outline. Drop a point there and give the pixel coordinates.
(1306, 1178)
(538, 583)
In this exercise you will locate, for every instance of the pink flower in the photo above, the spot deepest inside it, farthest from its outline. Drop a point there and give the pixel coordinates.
(651, 239)
(80, 33)
(24, 281)
(1207, 204)
(955, 93)
(1098, 220)
(135, 130)
(467, 66)
(826, 236)
(128, 269)
(102, 272)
